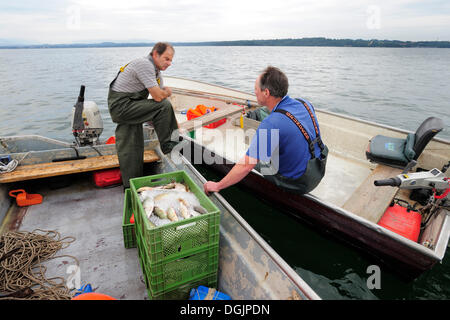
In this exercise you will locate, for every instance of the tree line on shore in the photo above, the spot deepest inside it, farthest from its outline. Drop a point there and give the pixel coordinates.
(313, 42)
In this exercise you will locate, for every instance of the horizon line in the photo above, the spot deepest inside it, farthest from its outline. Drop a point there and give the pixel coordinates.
(215, 42)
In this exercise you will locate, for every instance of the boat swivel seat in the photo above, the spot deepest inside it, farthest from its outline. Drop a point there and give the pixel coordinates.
(397, 152)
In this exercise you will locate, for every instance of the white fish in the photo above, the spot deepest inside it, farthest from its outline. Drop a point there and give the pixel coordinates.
(178, 198)
(175, 186)
(144, 189)
(148, 205)
(171, 214)
(160, 213)
(169, 186)
(184, 202)
(181, 187)
(183, 209)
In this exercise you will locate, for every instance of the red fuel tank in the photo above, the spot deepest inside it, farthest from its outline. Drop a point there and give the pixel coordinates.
(397, 219)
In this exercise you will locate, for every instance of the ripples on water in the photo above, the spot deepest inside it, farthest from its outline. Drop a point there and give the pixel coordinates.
(396, 87)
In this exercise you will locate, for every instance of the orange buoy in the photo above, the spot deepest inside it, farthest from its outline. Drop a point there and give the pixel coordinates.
(24, 199)
(93, 296)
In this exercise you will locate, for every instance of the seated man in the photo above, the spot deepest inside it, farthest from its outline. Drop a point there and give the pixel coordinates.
(130, 107)
(286, 148)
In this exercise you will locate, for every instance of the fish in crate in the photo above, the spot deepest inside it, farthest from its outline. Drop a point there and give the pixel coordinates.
(169, 203)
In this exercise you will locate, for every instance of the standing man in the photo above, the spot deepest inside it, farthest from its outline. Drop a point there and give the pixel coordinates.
(130, 107)
(287, 148)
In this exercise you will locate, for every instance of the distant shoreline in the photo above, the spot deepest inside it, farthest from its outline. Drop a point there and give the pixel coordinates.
(304, 42)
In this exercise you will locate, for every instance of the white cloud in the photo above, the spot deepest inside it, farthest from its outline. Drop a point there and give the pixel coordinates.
(204, 20)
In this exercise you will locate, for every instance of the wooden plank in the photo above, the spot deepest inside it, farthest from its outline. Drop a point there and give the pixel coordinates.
(249, 101)
(369, 201)
(51, 169)
(210, 118)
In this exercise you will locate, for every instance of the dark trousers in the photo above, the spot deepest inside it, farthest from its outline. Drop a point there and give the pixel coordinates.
(130, 111)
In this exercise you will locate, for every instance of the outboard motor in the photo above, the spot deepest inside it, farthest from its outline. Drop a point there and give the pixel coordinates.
(87, 123)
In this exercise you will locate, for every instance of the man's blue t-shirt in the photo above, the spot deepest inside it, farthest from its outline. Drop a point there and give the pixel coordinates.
(280, 141)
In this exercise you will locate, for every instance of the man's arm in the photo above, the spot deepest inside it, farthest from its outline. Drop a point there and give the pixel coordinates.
(159, 94)
(236, 174)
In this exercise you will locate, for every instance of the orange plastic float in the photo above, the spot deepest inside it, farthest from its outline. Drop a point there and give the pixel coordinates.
(200, 110)
(93, 296)
(24, 199)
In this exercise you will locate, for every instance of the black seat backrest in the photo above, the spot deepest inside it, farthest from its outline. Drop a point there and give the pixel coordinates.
(427, 130)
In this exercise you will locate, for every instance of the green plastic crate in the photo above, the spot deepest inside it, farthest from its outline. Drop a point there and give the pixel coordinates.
(177, 238)
(129, 235)
(182, 292)
(175, 272)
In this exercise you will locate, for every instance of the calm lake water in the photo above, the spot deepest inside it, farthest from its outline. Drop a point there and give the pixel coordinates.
(396, 87)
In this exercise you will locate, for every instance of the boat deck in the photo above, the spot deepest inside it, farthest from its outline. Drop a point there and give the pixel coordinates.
(94, 217)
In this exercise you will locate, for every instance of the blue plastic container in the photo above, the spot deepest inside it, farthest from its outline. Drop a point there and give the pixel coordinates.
(202, 292)
(5, 159)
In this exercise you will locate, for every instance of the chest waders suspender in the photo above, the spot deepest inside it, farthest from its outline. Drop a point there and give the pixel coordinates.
(303, 131)
(315, 169)
(120, 71)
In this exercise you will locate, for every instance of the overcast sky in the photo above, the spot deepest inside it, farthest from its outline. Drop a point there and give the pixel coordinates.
(68, 21)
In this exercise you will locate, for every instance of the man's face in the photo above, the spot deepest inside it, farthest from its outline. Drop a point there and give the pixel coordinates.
(261, 95)
(164, 60)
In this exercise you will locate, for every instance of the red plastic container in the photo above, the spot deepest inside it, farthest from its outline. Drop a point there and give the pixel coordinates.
(216, 124)
(402, 222)
(107, 177)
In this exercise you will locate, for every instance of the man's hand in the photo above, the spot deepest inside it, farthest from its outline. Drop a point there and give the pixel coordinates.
(159, 94)
(211, 186)
(236, 174)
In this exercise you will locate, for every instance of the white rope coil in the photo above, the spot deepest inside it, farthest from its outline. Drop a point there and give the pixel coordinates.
(12, 165)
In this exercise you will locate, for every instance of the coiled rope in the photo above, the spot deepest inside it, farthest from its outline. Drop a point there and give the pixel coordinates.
(22, 275)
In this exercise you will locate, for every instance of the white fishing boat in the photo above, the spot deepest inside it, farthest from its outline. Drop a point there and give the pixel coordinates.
(346, 202)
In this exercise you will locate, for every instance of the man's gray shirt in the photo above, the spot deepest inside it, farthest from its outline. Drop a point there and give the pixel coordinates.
(138, 75)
